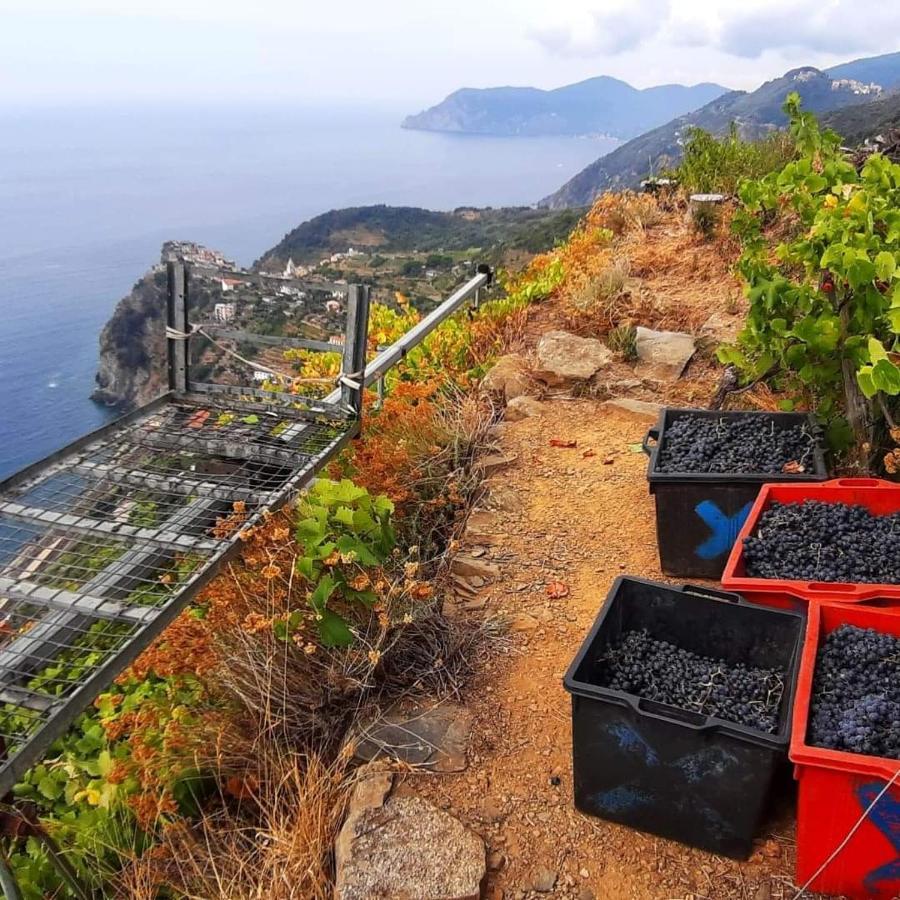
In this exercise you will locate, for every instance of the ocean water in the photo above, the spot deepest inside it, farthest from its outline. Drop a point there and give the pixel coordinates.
(88, 196)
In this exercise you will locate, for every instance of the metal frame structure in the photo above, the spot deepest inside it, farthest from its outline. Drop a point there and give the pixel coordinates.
(103, 543)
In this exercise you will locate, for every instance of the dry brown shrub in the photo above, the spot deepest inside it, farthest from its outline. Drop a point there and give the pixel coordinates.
(269, 836)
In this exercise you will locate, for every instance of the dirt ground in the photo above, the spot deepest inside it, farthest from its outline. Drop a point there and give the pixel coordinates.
(580, 516)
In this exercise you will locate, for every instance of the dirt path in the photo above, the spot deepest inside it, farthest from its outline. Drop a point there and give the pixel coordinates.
(580, 516)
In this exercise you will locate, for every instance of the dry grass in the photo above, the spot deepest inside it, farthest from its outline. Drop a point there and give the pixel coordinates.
(269, 838)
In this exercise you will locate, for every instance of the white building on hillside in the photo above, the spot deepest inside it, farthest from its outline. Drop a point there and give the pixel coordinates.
(223, 312)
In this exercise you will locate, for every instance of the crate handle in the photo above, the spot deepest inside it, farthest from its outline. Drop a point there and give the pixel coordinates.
(710, 592)
(651, 435)
(671, 713)
(861, 483)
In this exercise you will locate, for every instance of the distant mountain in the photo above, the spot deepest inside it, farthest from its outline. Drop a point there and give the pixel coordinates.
(754, 113)
(600, 105)
(856, 124)
(882, 70)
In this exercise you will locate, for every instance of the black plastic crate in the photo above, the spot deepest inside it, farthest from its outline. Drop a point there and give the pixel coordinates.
(678, 774)
(698, 516)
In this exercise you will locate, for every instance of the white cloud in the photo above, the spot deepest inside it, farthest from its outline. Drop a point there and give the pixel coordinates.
(604, 31)
(838, 26)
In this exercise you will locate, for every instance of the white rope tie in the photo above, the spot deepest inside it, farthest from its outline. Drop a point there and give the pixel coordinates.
(352, 380)
(846, 840)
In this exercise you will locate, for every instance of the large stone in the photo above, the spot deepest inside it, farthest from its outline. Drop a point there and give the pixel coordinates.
(493, 462)
(642, 410)
(465, 566)
(408, 849)
(432, 736)
(565, 358)
(722, 327)
(663, 355)
(523, 408)
(509, 377)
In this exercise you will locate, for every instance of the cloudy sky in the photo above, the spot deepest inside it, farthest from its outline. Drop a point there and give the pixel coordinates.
(410, 54)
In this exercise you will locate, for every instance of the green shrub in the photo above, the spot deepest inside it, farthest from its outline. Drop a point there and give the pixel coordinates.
(824, 319)
(717, 165)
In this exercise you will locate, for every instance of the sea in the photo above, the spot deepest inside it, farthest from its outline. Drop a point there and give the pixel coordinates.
(88, 195)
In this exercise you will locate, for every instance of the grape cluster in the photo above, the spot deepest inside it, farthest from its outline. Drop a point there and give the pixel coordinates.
(816, 541)
(660, 671)
(747, 445)
(855, 704)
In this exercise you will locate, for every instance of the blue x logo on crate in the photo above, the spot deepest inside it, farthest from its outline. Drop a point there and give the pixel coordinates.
(885, 816)
(724, 528)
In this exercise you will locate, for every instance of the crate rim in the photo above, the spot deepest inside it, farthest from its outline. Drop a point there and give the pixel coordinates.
(779, 740)
(658, 432)
(802, 754)
(845, 592)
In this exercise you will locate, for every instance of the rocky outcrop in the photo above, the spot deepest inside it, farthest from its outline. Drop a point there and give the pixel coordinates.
(132, 367)
(523, 408)
(407, 849)
(662, 355)
(508, 377)
(565, 359)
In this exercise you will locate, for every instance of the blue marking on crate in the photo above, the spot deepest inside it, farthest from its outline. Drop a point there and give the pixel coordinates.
(622, 798)
(724, 528)
(712, 762)
(885, 816)
(629, 739)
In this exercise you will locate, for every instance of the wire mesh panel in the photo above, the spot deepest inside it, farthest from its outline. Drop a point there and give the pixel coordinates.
(104, 543)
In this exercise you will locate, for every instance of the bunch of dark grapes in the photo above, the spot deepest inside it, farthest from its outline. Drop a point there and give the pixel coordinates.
(855, 704)
(815, 541)
(752, 445)
(660, 671)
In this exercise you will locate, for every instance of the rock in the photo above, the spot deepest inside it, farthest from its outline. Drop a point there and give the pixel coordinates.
(642, 410)
(468, 566)
(434, 737)
(565, 358)
(501, 497)
(544, 881)
(662, 355)
(509, 377)
(586, 894)
(493, 462)
(523, 408)
(722, 328)
(408, 849)
(373, 783)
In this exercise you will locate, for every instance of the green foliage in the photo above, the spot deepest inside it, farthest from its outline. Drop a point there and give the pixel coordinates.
(76, 791)
(717, 165)
(830, 292)
(623, 340)
(402, 229)
(341, 528)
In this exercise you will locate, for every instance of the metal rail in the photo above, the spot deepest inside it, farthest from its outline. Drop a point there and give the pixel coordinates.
(105, 542)
(392, 355)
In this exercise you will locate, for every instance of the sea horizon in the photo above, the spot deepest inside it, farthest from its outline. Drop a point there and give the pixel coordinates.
(88, 196)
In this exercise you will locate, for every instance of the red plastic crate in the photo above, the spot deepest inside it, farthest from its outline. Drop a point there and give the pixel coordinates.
(879, 497)
(835, 787)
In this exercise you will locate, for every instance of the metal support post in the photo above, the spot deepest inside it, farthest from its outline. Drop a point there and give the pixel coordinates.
(353, 367)
(177, 320)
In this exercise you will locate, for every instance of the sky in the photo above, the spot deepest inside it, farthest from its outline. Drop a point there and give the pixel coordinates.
(408, 54)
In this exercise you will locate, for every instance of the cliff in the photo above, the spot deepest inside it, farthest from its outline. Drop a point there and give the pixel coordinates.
(132, 346)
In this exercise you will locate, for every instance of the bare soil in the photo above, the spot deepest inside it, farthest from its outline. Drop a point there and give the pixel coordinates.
(579, 516)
